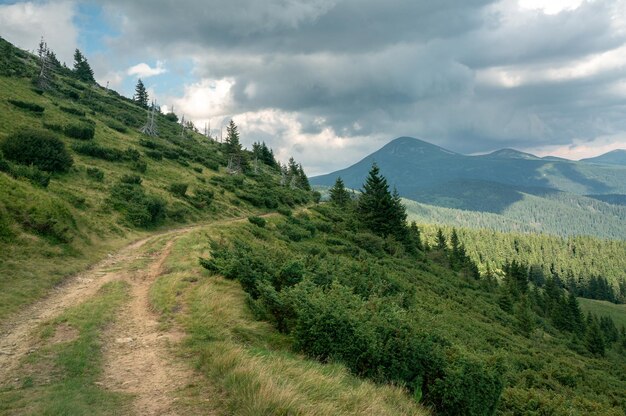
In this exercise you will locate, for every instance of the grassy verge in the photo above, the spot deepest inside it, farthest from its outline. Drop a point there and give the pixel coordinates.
(247, 365)
(604, 308)
(59, 378)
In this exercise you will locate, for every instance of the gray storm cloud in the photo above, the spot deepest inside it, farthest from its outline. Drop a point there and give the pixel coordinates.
(471, 75)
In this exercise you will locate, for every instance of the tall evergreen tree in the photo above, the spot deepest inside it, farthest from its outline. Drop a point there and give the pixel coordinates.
(141, 95)
(441, 240)
(233, 146)
(82, 70)
(339, 195)
(376, 207)
(593, 339)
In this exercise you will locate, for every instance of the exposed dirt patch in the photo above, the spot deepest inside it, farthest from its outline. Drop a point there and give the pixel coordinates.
(137, 358)
(64, 333)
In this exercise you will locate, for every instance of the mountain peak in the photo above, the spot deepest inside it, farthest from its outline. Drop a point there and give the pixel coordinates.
(508, 153)
(614, 157)
(411, 145)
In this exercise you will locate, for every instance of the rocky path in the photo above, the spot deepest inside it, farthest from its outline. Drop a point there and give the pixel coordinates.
(136, 355)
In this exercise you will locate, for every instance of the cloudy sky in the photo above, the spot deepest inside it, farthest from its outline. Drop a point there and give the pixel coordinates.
(329, 81)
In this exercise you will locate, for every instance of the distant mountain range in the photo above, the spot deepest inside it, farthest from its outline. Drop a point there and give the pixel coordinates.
(521, 188)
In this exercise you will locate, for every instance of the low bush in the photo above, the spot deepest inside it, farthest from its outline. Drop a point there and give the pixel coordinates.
(72, 110)
(117, 126)
(54, 127)
(81, 131)
(99, 152)
(178, 189)
(95, 174)
(258, 221)
(37, 147)
(154, 154)
(131, 179)
(25, 105)
(140, 166)
(140, 209)
(35, 175)
(202, 198)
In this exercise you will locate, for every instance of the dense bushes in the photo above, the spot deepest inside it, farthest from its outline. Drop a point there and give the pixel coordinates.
(39, 148)
(359, 320)
(110, 154)
(258, 221)
(98, 151)
(95, 174)
(32, 107)
(178, 189)
(72, 110)
(139, 208)
(81, 131)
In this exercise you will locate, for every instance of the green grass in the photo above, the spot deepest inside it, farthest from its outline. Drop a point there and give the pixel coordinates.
(72, 220)
(59, 378)
(247, 366)
(604, 308)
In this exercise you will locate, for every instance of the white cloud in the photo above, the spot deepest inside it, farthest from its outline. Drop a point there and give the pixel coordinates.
(144, 70)
(550, 6)
(23, 24)
(581, 149)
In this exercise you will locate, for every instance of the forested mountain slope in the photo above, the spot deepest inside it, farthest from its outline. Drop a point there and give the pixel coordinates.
(506, 190)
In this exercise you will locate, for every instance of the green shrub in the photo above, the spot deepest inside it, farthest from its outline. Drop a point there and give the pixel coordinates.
(197, 169)
(284, 211)
(178, 189)
(117, 126)
(140, 166)
(154, 154)
(99, 152)
(132, 154)
(24, 105)
(467, 387)
(54, 127)
(95, 174)
(258, 221)
(202, 198)
(148, 143)
(131, 179)
(32, 173)
(140, 209)
(82, 131)
(37, 147)
(72, 110)
(49, 218)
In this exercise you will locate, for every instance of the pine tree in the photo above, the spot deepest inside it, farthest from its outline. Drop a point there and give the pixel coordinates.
(339, 195)
(415, 236)
(575, 314)
(82, 70)
(441, 240)
(376, 207)
(141, 95)
(303, 181)
(593, 339)
(233, 146)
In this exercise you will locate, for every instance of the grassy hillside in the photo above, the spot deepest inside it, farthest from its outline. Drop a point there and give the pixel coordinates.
(334, 291)
(600, 307)
(121, 184)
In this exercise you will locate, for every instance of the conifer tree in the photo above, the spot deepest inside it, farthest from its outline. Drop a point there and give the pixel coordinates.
(441, 240)
(339, 195)
(376, 207)
(575, 314)
(141, 95)
(303, 181)
(233, 146)
(82, 70)
(593, 339)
